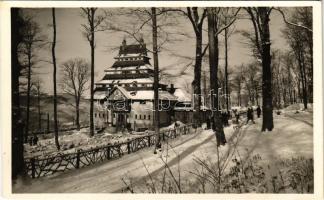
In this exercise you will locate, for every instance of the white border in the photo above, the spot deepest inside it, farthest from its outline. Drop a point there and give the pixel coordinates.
(5, 101)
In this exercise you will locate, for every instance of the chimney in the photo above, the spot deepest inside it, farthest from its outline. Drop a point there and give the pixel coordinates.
(123, 47)
(124, 42)
(172, 89)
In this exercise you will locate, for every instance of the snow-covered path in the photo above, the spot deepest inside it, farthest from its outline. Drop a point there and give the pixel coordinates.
(292, 136)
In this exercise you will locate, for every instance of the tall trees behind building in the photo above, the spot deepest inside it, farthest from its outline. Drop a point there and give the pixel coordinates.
(92, 25)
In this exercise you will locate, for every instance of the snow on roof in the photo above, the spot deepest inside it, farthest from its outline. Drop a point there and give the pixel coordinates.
(145, 94)
(129, 55)
(149, 80)
(100, 94)
(146, 66)
(182, 95)
(125, 81)
(149, 95)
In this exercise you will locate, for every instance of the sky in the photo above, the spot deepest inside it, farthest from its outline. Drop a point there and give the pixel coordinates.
(72, 44)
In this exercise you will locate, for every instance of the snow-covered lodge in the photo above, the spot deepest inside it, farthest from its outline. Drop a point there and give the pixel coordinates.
(125, 94)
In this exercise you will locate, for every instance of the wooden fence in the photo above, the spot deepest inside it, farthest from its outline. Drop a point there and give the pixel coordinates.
(39, 167)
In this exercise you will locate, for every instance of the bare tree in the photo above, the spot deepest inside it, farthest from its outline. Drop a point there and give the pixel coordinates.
(217, 125)
(156, 81)
(196, 21)
(75, 77)
(31, 42)
(260, 18)
(228, 14)
(90, 28)
(215, 27)
(298, 38)
(54, 81)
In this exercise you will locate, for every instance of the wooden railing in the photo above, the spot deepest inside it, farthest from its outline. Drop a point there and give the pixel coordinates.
(39, 167)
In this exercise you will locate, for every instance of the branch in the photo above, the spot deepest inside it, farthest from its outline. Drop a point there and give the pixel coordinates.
(229, 24)
(290, 23)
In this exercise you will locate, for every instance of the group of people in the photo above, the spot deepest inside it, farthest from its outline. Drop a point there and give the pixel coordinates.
(250, 114)
(226, 115)
(33, 140)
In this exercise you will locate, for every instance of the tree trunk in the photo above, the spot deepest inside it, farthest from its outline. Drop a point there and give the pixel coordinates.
(303, 94)
(17, 135)
(39, 108)
(213, 62)
(54, 82)
(77, 110)
(304, 79)
(92, 45)
(226, 67)
(28, 93)
(197, 79)
(156, 82)
(310, 44)
(267, 117)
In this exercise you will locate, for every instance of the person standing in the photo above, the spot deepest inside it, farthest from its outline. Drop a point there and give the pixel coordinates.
(258, 111)
(237, 116)
(250, 115)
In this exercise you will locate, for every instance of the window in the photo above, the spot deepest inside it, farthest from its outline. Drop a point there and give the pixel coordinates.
(135, 116)
(95, 115)
(140, 116)
(103, 115)
(99, 115)
(149, 117)
(144, 116)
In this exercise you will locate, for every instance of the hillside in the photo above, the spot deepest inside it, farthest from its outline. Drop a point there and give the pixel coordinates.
(66, 110)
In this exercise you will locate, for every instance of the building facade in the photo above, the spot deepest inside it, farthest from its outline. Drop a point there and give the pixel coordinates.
(125, 96)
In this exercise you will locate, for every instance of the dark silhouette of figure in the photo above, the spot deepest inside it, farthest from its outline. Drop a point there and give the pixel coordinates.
(208, 123)
(30, 141)
(258, 111)
(35, 140)
(237, 116)
(250, 115)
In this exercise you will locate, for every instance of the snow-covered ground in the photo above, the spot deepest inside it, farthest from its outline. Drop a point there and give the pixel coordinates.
(291, 137)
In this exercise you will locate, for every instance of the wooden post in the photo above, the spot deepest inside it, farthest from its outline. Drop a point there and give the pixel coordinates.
(78, 159)
(128, 147)
(33, 168)
(163, 136)
(149, 140)
(48, 123)
(108, 153)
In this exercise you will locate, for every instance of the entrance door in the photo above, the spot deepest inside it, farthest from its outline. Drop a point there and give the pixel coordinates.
(121, 121)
